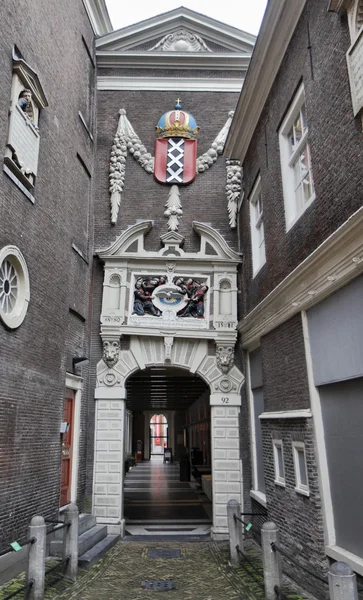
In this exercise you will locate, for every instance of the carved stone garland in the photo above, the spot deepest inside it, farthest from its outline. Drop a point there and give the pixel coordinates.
(126, 139)
(174, 208)
(233, 189)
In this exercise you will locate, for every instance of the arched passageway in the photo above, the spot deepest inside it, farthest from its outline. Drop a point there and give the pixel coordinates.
(170, 416)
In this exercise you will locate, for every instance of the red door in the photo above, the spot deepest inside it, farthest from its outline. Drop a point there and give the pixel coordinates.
(66, 468)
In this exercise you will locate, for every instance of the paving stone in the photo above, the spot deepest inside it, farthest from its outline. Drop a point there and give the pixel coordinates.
(202, 571)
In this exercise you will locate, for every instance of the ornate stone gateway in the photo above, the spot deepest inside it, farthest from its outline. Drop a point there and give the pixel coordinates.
(171, 305)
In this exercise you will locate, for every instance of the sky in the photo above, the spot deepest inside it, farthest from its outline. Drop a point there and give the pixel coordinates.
(244, 14)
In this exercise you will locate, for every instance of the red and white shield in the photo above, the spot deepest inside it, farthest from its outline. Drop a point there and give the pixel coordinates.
(175, 160)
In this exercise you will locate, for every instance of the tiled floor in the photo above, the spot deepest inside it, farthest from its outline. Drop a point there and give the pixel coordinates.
(157, 502)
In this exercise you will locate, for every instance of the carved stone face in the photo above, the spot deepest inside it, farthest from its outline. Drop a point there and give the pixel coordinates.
(111, 351)
(225, 356)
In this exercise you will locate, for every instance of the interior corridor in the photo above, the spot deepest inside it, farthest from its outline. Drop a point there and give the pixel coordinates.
(156, 502)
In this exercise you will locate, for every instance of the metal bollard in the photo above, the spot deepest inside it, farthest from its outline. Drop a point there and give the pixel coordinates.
(342, 582)
(235, 530)
(36, 562)
(70, 541)
(272, 570)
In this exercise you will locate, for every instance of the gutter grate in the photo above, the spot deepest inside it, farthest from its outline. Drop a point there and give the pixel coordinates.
(159, 586)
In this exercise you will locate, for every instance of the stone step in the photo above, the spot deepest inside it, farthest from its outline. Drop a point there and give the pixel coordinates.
(86, 540)
(86, 522)
(89, 558)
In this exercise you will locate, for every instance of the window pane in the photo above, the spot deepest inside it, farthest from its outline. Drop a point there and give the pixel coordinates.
(302, 467)
(280, 462)
(303, 118)
(298, 129)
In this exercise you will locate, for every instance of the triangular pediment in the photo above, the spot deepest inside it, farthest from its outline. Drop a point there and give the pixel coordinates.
(194, 31)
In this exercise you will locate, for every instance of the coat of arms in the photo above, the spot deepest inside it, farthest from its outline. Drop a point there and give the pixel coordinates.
(176, 148)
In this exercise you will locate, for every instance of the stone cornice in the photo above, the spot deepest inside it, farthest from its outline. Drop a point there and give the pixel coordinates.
(277, 28)
(220, 61)
(210, 235)
(162, 84)
(98, 15)
(150, 29)
(118, 250)
(201, 334)
(338, 260)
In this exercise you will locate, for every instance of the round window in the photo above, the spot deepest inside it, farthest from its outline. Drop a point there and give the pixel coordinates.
(14, 287)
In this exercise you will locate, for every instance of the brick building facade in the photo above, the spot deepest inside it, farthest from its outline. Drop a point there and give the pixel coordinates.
(298, 134)
(85, 224)
(46, 248)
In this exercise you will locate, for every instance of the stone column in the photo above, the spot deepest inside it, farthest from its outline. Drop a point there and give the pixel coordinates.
(272, 569)
(226, 463)
(108, 505)
(36, 560)
(342, 582)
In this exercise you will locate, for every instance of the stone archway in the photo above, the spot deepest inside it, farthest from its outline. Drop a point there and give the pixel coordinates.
(110, 394)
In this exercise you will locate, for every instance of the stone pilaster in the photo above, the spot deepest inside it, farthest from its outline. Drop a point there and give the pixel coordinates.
(226, 467)
(109, 463)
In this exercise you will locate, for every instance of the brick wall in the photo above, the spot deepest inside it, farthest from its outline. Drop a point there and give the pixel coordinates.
(298, 518)
(284, 367)
(34, 358)
(336, 150)
(143, 198)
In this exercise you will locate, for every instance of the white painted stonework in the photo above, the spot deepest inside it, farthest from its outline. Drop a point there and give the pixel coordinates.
(109, 462)
(227, 466)
(165, 341)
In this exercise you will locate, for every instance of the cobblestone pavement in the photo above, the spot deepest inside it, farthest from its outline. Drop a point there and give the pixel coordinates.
(202, 572)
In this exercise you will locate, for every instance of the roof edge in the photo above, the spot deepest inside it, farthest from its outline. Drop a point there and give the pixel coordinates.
(278, 25)
(167, 18)
(98, 16)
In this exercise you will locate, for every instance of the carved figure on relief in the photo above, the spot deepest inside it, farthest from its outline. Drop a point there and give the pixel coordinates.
(143, 296)
(25, 103)
(196, 292)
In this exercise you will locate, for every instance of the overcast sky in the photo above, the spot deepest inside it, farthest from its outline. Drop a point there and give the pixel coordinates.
(244, 14)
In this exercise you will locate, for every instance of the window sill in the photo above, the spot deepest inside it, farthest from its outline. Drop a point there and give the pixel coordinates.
(300, 214)
(256, 272)
(302, 492)
(280, 483)
(259, 497)
(340, 554)
(11, 172)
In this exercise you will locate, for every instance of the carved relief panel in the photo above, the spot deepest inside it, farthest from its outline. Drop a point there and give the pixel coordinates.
(169, 299)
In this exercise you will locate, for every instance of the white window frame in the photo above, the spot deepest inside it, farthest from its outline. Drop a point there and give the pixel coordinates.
(289, 158)
(257, 228)
(13, 314)
(300, 487)
(255, 493)
(279, 478)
